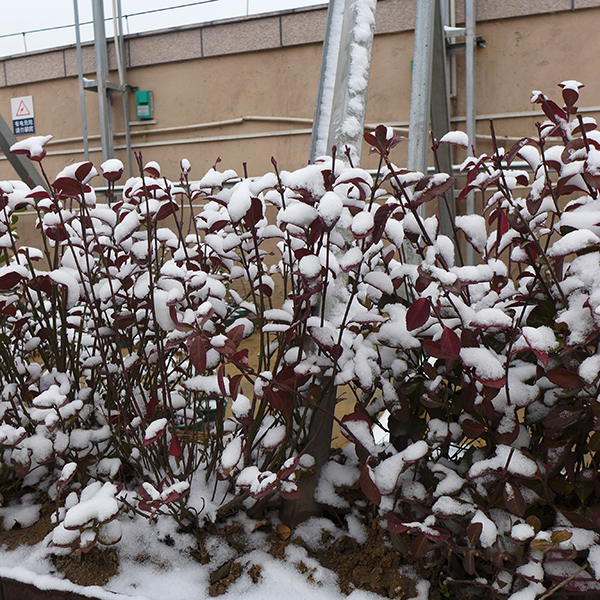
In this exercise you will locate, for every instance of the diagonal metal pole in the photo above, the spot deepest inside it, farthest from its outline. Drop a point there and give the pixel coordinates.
(22, 165)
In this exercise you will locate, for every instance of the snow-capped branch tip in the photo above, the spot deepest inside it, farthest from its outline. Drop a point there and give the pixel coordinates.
(32, 147)
(112, 169)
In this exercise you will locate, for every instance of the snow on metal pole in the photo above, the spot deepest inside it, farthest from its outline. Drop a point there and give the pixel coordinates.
(106, 131)
(471, 114)
(343, 87)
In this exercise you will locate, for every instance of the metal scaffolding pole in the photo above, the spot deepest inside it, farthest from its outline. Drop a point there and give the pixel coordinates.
(440, 118)
(420, 96)
(471, 113)
(104, 106)
(86, 149)
(120, 54)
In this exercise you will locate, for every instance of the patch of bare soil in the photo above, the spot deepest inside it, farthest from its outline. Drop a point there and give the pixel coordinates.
(28, 536)
(97, 567)
(372, 566)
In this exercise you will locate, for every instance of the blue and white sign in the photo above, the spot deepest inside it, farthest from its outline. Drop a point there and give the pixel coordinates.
(22, 115)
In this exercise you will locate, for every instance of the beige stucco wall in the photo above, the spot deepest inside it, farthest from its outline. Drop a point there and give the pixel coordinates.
(269, 67)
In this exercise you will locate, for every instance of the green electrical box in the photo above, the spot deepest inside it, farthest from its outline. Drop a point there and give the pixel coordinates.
(143, 104)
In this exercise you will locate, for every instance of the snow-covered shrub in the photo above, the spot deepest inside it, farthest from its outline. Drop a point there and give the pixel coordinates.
(124, 335)
(492, 380)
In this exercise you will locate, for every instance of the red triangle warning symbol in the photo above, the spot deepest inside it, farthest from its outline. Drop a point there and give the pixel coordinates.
(23, 111)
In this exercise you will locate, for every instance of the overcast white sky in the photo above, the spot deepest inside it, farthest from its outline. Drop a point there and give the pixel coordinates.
(18, 16)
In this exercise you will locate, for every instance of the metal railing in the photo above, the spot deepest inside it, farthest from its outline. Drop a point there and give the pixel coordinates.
(72, 26)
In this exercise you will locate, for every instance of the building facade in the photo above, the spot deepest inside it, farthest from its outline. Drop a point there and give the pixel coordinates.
(244, 89)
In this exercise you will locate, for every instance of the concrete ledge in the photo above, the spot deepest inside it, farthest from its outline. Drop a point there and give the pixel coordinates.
(243, 36)
(186, 45)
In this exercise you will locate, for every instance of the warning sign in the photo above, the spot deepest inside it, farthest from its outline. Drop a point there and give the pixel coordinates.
(22, 115)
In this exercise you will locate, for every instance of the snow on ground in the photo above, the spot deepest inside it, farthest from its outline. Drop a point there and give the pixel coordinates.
(153, 570)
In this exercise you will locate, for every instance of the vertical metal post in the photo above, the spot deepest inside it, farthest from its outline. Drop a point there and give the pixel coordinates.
(342, 100)
(471, 125)
(120, 54)
(106, 129)
(420, 97)
(440, 118)
(86, 149)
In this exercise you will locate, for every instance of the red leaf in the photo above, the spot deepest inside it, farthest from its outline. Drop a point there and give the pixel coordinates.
(165, 210)
(63, 481)
(372, 140)
(285, 472)
(10, 280)
(437, 534)
(513, 499)
(370, 490)
(474, 533)
(234, 385)
(255, 214)
(510, 156)
(152, 406)
(562, 417)
(430, 187)
(289, 493)
(543, 356)
(67, 186)
(175, 448)
(281, 401)
(570, 96)
(221, 380)
(155, 437)
(395, 525)
(83, 170)
(493, 383)
(198, 354)
(380, 218)
(419, 546)
(236, 334)
(469, 562)
(418, 314)
(241, 358)
(450, 343)
(565, 378)
(472, 429)
(434, 349)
